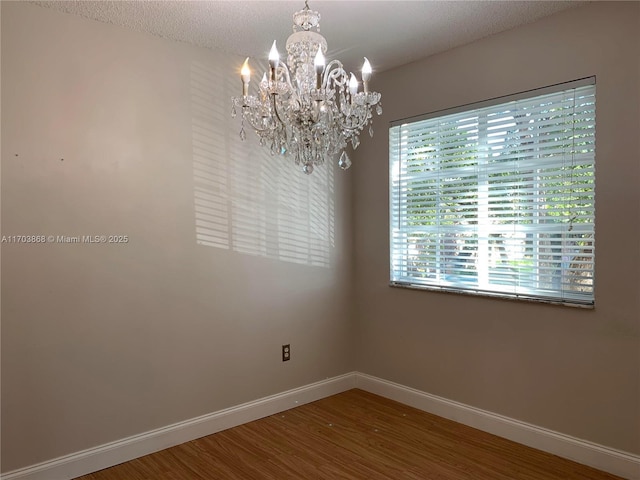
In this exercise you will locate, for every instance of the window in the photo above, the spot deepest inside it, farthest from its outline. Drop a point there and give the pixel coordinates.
(497, 198)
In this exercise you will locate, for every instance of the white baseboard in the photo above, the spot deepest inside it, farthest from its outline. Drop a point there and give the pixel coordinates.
(87, 461)
(94, 459)
(619, 463)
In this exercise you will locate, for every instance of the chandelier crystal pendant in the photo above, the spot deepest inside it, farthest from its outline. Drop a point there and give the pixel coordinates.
(307, 109)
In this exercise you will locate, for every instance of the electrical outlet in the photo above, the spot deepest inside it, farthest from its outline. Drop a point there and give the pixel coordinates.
(286, 352)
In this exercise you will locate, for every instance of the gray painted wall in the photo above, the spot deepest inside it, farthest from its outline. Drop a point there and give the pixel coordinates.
(116, 132)
(570, 370)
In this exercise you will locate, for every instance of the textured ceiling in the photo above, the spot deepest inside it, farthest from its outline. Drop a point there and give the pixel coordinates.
(389, 33)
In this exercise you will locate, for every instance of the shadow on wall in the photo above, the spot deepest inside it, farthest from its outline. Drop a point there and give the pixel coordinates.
(247, 200)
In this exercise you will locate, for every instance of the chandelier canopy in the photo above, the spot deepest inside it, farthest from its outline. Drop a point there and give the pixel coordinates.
(306, 108)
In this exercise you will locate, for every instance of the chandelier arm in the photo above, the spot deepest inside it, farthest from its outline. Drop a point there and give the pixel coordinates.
(356, 128)
(256, 127)
(283, 67)
(275, 108)
(335, 70)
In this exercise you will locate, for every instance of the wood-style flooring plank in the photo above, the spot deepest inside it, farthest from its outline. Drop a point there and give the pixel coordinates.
(354, 435)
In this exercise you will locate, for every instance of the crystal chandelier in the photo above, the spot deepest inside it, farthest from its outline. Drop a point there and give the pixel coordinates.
(305, 108)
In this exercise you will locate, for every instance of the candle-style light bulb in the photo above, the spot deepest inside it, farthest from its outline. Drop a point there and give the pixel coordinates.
(366, 75)
(274, 60)
(318, 61)
(353, 85)
(245, 75)
(318, 64)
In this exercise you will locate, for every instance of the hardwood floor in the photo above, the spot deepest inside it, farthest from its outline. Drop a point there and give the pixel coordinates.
(352, 435)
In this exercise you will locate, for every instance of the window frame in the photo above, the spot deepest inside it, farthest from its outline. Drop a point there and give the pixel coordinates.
(515, 290)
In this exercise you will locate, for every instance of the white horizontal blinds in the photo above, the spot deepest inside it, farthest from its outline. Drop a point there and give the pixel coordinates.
(498, 199)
